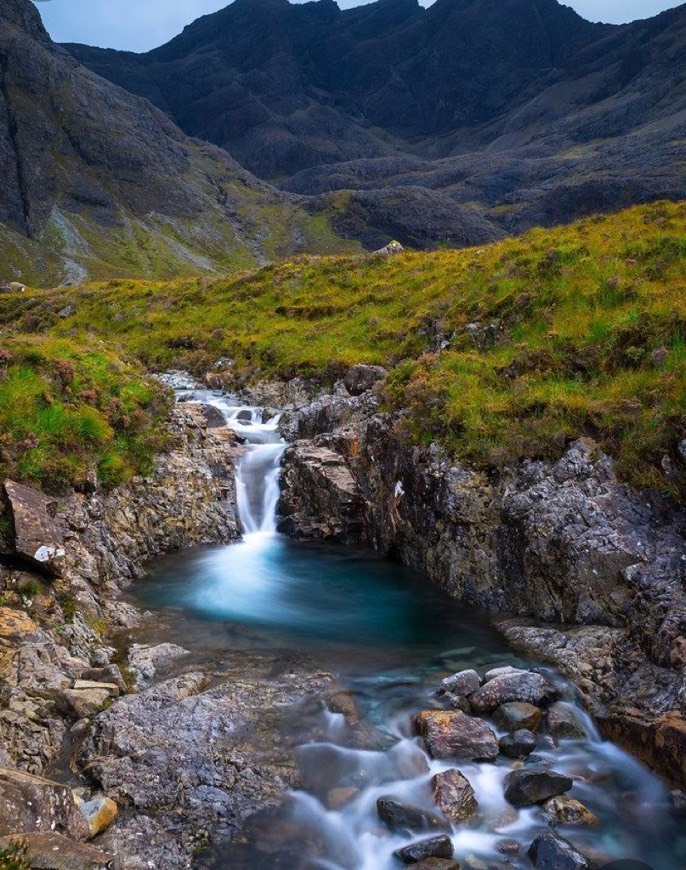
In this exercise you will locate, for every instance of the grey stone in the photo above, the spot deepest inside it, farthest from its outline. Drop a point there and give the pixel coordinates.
(434, 847)
(461, 683)
(361, 378)
(519, 744)
(399, 815)
(525, 787)
(527, 687)
(550, 852)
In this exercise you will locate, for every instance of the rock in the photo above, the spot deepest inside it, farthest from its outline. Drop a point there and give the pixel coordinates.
(454, 795)
(457, 702)
(564, 810)
(110, 674)
(399, 815)
(528, 687)
(550, 852)
(111, 688)
(434, 847)
(99, 812)
(516, 715)
(339, 797)
(15, 624)
(361, 378)
(453, 734)
(461, 683)
(677, 800)
(565, 723)
(39, 537)
(437, 864)
(30, 803)
(390, 249)
(344, 702)
(85, 702)
(502, 671)
(508, 847)
(320, 498)
(524, 788)
(51, 851)
(67, 311)
(213, 417)
(144, 661)
(519, 744)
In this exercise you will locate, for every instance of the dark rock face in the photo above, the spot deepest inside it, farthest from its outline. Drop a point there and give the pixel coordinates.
(361, 378)
(453, 734)
(390, 97)
(82, 159)
(434, 847)
(550, 852)
(399, 815)
(523, 788)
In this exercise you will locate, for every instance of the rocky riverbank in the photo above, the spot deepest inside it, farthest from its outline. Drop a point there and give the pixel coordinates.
(577, 568)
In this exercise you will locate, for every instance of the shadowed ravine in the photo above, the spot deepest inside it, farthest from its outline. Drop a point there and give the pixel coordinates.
(390, 638)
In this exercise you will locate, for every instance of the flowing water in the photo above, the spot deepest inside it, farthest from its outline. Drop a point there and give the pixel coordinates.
(390, 638)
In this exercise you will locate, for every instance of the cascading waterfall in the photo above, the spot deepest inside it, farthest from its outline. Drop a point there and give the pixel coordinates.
(392, 641)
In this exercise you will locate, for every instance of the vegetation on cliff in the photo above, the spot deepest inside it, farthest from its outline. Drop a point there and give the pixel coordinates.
(499, 353)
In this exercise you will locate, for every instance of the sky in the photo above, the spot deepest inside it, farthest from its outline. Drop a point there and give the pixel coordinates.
(139, 25)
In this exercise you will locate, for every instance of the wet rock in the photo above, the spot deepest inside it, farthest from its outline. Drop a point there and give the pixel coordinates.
(453, 734)
(516, 715)
(457, 702)
(508, 847)
(339, 797)
(502, 671)
(39, 536)
(99, 812)
(454, 795)
(565, 723)
(344, 702)
(361, 378)
(524, 788)
(30, 803)
(213, 417)
(677, 800)
(434, 847)
(519, 744)
(528, 687)
(399, 815)
(550, 852)
(461, 683)
(145, 661)
(51, 851)
(320, 498)
(437, 864)
(564, 810)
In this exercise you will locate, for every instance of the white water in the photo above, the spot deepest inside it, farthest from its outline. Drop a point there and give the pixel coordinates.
(255, 581)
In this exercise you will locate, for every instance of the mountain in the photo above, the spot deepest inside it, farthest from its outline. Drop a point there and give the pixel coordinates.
(518, 109)
(97, 181)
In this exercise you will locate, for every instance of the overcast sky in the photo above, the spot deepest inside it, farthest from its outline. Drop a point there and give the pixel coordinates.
(138, 25)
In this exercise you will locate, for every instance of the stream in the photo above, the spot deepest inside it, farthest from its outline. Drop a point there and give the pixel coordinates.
(389, 638)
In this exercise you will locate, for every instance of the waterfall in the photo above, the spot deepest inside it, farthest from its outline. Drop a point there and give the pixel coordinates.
(257, 472)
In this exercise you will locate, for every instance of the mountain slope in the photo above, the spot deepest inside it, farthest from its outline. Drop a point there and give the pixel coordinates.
(517, 108)
(97, 181)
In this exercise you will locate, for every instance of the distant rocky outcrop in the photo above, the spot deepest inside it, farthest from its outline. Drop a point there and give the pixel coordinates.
(437, 125)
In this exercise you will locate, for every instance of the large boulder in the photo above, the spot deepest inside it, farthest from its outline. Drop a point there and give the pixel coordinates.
(30, 803)
(524, 788)
(453, 734)
(39, 536)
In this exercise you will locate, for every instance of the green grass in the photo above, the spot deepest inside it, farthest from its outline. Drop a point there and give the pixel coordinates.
(66, 412)
(585, 334)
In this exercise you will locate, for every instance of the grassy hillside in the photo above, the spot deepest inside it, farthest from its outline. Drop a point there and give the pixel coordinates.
(499, 352)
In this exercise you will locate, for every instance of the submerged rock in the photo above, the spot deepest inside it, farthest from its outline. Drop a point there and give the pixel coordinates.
(399, 815)
(453, 734)
(524, 788)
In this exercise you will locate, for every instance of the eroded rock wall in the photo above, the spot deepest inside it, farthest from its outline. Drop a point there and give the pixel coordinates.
(594, 571)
